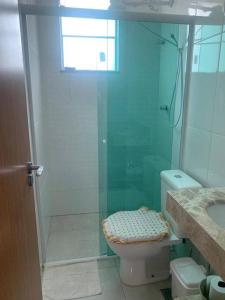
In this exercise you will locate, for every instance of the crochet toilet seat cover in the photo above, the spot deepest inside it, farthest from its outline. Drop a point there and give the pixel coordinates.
(135, 226)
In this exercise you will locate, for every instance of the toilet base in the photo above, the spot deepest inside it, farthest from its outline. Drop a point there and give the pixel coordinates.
(139, 271)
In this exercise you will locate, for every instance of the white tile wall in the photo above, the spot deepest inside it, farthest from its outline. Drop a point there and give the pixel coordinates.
(73, 201)
(70, 129)
(196, 157)
(204, 151)
(219, 111)
(201, 105)
(216, 170)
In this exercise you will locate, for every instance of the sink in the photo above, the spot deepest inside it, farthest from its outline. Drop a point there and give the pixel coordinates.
(217, 213)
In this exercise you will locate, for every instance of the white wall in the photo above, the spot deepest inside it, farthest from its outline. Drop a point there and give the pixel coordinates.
(204, 151)
(70, 129)
(177, 130)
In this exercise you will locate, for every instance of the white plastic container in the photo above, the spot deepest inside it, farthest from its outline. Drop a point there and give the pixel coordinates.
(186, 277)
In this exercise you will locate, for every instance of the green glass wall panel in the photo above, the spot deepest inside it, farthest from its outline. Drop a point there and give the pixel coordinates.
(102, 154)
(138, 134)
(132, 100)
(164, 121)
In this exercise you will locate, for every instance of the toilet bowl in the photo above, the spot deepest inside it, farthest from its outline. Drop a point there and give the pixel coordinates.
(143, 243)
(143, 263)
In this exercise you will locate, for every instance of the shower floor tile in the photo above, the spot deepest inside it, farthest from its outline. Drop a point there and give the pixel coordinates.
(73, 236)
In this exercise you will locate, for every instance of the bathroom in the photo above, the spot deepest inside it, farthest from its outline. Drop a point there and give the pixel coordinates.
(117, 100)
(103, 137)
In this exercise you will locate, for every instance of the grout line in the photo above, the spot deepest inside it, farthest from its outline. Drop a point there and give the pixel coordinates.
(65, 215)
(78, 260)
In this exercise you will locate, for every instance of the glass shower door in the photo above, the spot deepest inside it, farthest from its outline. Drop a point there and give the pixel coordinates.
(136, 134)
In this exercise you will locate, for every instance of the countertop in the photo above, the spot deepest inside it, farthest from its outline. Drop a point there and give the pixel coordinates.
(188, 209)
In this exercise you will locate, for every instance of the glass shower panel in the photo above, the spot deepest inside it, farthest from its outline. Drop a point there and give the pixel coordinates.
(132, 106)
(138, 135)
(102, 162)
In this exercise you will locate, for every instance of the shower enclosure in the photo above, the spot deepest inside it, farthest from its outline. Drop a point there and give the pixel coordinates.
(103, 136)
(139, 117)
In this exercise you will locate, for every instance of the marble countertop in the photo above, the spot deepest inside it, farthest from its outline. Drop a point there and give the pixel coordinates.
(188, 209)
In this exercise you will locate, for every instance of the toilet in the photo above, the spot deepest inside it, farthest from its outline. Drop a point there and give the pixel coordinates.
(142, 238)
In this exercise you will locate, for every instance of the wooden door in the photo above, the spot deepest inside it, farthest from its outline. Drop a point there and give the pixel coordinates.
(19, 262)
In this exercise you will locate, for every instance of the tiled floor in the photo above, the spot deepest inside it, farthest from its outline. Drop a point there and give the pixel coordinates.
(73, 236)
(77, 236)
(71, 281)
(113, 289)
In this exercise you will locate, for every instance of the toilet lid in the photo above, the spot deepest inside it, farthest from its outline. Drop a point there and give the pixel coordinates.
(135, 226)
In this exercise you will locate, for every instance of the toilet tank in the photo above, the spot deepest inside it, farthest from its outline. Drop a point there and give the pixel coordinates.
(174, 180)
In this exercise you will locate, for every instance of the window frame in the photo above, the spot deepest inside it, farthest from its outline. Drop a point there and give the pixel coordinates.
(74, 70)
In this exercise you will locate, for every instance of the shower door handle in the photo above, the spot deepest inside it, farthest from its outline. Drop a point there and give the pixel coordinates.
(39, 171)
(30, 168)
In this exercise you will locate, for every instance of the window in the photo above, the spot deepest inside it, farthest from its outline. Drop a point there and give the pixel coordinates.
(88, 44)
(208, 41)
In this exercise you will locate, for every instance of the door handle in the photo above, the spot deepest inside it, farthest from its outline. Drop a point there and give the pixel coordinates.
(38, 168)
(39, 171)
(30, 168)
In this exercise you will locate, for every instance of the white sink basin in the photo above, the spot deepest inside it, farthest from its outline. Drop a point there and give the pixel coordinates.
(217, 213)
